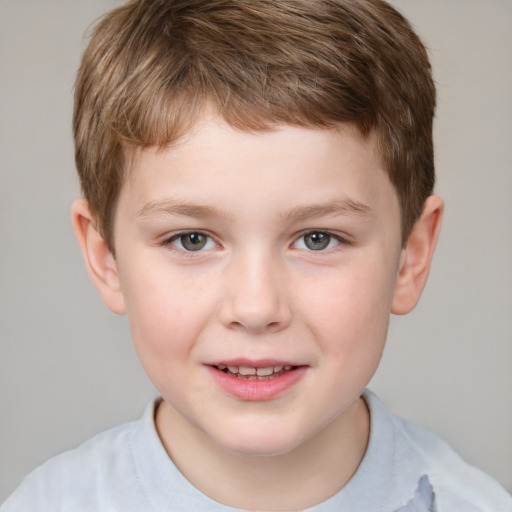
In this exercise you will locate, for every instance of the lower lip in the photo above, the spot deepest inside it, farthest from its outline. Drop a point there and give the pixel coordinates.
(257, 390)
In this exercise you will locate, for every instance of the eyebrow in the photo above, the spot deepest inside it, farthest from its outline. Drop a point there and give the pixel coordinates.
(332, 208)
(299, 213)
(179, 208)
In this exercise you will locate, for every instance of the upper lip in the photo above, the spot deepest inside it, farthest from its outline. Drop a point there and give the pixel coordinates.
(253, 363)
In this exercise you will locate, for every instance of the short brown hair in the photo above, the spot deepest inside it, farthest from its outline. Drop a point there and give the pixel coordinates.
(151, 66)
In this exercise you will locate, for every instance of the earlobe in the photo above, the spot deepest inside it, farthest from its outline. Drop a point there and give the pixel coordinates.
(417, 256)
(99, 260)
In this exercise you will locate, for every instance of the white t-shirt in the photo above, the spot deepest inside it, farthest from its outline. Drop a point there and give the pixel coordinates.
(405, 469)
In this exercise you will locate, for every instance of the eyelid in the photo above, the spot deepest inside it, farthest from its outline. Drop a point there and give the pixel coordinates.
(342, 240)
(168, 241)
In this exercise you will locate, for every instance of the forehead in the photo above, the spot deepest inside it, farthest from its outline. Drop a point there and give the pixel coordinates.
(284, 166)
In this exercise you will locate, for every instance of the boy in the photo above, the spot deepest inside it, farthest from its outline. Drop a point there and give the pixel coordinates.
(257, 180)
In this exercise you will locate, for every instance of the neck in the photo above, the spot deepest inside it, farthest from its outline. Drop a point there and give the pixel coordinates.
(306, 476)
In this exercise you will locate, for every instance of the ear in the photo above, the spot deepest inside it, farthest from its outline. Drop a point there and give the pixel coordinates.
(417, 256)
(100, 262)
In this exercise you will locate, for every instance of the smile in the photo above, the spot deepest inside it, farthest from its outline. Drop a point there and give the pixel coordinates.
(260, 381)
(252, 373)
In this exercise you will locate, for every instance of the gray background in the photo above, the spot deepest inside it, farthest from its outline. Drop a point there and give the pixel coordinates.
(67, 367)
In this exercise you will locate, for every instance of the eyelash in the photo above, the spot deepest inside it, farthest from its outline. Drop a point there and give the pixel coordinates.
(340, 241)
(170, 242)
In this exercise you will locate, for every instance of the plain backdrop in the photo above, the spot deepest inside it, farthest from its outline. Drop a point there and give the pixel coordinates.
(67, 366)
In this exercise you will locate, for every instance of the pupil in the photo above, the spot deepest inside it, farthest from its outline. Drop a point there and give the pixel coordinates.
(193, 241)
(317, 241)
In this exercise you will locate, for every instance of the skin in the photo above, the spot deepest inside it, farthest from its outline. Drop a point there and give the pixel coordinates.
(257, 290)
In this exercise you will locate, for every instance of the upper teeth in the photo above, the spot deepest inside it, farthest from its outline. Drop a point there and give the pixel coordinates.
(248, 370)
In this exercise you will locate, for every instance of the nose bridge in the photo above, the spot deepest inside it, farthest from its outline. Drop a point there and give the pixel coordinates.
(256, 297)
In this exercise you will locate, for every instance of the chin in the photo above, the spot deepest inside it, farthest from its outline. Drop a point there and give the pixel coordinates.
(250, 443)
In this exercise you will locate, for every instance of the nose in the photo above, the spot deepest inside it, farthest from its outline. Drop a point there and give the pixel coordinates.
(255, 295)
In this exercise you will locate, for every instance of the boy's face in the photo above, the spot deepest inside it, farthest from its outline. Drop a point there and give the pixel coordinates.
(266, 250)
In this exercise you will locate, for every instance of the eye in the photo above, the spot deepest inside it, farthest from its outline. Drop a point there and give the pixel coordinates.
(317, 241)
(192, 242)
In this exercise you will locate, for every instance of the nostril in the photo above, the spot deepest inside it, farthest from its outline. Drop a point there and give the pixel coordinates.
(254, 312)
(257, 327)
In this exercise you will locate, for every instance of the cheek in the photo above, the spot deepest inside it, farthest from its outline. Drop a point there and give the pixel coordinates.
(166, 315)
(350, 310)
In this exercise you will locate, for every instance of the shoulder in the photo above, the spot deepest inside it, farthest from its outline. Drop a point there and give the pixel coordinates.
(83, 479)
(457, 485)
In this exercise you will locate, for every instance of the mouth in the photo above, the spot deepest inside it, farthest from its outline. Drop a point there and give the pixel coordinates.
(255, 373)
(256, 380)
